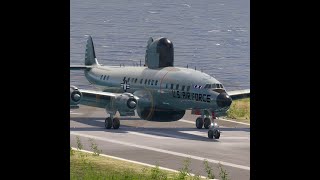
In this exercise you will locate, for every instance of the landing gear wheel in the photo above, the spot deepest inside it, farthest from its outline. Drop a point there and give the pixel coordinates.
(199, 123)
(210, 134)
(116, 123)
(108, 123)
(207, 123)
(214, 133)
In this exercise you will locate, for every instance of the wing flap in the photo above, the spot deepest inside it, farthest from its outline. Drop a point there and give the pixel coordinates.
(96, 98)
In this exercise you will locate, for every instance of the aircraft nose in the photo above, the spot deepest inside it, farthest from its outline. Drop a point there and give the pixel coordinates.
(224, 100)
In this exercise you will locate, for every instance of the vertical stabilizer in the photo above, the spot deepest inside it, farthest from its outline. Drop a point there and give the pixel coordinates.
(90, 55)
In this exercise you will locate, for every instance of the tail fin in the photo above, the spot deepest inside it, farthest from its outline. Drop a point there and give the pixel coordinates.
(90, 55)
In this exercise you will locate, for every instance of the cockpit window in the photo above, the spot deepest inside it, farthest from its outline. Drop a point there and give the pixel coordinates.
(213, 86)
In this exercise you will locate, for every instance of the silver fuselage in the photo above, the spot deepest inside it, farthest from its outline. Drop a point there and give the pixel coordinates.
(109, 79)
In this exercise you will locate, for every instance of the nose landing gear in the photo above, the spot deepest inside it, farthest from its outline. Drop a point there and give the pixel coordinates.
(214, 133)
(206, 120)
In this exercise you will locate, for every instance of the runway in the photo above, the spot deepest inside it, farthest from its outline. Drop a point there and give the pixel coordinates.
(167, 144)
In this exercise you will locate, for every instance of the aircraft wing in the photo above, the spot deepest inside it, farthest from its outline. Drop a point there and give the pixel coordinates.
(122, 102)
(239, 94)
(96, 98)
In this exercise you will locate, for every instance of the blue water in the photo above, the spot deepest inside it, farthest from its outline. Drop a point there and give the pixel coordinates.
(213, 35)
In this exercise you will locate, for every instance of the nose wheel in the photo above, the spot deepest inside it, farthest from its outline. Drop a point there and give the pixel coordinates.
(214, 133)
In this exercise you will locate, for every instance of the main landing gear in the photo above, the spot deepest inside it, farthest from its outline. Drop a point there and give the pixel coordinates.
(112, 122)
(206, 122)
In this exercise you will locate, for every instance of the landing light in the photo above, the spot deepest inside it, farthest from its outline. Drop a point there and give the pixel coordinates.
(214, 125)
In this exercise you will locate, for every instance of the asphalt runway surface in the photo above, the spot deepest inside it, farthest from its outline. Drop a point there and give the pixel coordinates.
(167, 144)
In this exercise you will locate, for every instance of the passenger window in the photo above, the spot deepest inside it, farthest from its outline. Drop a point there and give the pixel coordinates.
(145, 82)
(132, 80)
(152, 82)
(166, 86)
(108, 77)
(177, 86)
(156, 82)
(128, 79)
(135, 81)
(141, 81)
(182, 89)
(101, 76)
(188, 88)
(171, 86)
(104, 77)
(149, 82)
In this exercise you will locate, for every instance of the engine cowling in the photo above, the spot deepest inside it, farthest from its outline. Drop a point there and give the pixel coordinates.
(159, 114)
(125, 102)
(75, 95)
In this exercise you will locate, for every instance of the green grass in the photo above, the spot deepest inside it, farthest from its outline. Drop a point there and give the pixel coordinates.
(240, 110)
(88, 166)
(93, 166)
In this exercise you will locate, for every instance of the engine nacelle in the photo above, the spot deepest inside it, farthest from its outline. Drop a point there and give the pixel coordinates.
(124, 102)
(75, 96)
(159, 114)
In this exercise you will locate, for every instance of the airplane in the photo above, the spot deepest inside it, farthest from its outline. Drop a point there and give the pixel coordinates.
(157, 91)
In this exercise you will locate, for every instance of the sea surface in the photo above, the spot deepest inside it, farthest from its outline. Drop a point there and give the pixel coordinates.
(211, 35)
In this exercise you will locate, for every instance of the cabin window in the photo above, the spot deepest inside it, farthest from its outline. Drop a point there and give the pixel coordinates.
(145, 82)
(152, 82)
(171, 86)
(101, 76)
(221, 86)
(177, 86)
(213, 86)
(128, 80)
(182, 88)
(108, 77)
(149, 82)
(156, 82)
(207, 86)
(166, 86)
(141, 81)
(135, 81)
(104, 77)
(188, 88)
(132, 80)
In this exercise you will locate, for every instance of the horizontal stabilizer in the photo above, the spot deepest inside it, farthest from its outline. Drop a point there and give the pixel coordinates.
(79, 67)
